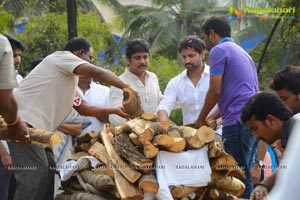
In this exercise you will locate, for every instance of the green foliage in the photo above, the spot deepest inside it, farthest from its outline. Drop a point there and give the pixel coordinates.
(165, 69)
(47, 34)
(6, 22)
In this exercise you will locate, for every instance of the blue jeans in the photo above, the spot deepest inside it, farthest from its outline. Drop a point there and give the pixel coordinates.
(238, 142)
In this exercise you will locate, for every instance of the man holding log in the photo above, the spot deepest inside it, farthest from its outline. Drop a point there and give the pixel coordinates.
(45, 99)
(140, 79)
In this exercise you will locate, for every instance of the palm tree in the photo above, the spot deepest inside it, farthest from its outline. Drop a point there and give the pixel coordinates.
(165, 23)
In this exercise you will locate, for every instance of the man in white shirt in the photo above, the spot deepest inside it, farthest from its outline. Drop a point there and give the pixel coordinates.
(96, 95)
(140, 79)
(189, 88)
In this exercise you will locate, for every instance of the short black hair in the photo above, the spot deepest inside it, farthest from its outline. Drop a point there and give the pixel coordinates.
(262, 104)
(288, 78)
(137, 45)
(219, 24)
(192, 41)
(15, 43)
(78, 43)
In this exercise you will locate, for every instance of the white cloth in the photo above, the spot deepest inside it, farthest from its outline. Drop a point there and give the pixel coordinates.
(150, 94)
(288, 178)
(97, 95)
(18, 77)
(45, 96)
(190, 168)
(180, 90)
(296, 116)
(5, 146)
(72, 166)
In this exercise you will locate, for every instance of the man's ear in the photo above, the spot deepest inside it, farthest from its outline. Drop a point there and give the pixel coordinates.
(272, 121)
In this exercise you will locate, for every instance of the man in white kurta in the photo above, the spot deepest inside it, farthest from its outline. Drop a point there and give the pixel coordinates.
(139, 78)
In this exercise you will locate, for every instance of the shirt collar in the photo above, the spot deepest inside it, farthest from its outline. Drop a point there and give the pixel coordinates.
(205, 71)
(133, 75)
(225, 39)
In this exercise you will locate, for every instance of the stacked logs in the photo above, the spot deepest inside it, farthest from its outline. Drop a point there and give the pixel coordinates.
(127, 155)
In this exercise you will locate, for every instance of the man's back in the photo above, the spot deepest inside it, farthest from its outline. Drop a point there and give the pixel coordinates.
(53, 83)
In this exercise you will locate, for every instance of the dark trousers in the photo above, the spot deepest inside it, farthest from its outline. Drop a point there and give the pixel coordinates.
(238, 142)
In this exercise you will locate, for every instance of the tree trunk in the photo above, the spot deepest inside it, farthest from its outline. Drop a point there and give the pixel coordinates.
(72, 18)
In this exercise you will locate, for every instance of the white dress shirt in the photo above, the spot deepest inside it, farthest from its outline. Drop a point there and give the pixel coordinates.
(180, 90)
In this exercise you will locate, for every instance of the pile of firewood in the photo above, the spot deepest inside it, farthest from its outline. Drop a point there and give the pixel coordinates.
(127, 155)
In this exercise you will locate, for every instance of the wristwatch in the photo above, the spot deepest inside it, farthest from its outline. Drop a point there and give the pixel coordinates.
(260, 163)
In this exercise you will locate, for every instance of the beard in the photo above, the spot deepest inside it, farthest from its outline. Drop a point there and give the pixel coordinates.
(191, 66)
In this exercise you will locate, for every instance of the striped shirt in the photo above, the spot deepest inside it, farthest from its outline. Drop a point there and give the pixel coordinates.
(239, 78)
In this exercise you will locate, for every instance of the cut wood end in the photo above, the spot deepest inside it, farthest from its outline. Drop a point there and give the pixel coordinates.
(150, 116)
(149, 186)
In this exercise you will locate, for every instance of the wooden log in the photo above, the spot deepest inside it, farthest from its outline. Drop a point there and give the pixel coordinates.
(106, 194)
(212, 124)
(105, 170)
(173, 131)
(225, 162)
(237, 173)
(80, 195)
(127, 171)
(227, 184)
(148, 183)
(164, 141)
(150, 151)
(182, 191)
(99, 181)
(197, 138)
(82, 147)
(131, 103)
(98, 151)
(158, 129)
(126, 189)
(129, 152)
(150, 116)
(215, 150)
(217, 194)
(178, 146)
(38, 136)
(87, 137)
(124, 128)
(135, 139)
(142, 129)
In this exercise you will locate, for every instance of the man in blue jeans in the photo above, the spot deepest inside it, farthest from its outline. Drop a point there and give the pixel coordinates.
(233, 80)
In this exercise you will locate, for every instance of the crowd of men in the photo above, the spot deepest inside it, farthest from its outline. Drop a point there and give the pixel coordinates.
(60, 94)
